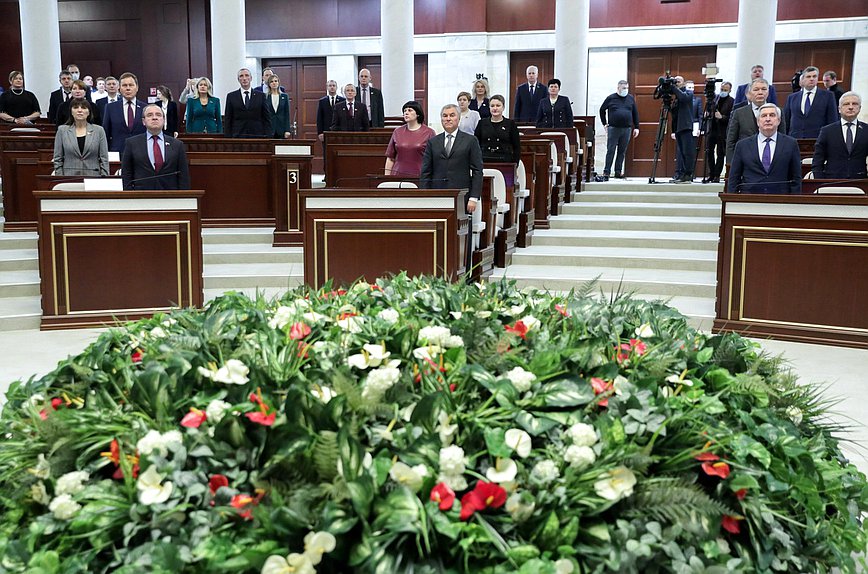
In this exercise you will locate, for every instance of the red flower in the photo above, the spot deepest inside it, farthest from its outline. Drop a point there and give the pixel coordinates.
(706, 456)
(562, 309)
(243, 503)
(740, 494)
(194, 418)
(299, 330)
(302, 349)
(638, 346)
(137, 356)
(519, 329)
(601, 386)
(483, 495)
(114, 455)
(443, 495)
(56, 403)
(216, 482)
(720, 469)
(731, 523)
(262, 418)
(624, 350)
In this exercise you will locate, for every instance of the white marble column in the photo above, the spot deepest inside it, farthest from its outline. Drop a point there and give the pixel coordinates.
(396, 30)
(228, 49)
(756, 38)
(572, 21)
(40, 46)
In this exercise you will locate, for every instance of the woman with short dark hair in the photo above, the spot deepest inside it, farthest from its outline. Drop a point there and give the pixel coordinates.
(404, 154)
(498, 135)
(80, 147)
(555, 111)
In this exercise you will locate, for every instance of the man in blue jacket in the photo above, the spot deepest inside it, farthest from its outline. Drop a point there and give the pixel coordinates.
(811, 108)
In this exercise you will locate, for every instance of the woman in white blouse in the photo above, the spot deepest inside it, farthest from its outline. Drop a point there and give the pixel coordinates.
(469, 118)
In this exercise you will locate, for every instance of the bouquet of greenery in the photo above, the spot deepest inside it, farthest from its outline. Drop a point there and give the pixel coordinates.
(420, 426)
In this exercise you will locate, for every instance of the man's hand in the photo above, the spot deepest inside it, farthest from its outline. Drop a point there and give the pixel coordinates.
(636, 133)
(471, 205)
(718, 115)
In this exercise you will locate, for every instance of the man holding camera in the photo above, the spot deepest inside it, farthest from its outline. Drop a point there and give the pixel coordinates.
(682, 133)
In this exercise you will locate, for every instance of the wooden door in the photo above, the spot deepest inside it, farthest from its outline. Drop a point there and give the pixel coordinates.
(645, 66)
(420, 78)
(836, 56)
(519, 61)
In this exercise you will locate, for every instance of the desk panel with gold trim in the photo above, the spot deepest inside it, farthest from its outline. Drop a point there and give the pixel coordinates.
(106, 257)
(794, 268)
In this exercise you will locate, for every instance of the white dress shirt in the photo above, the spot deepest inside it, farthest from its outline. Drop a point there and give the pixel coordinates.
(813, 94)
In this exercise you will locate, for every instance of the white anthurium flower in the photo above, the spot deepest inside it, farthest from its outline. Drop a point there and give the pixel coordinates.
(233, 372)
(390, 316)
(377, 354)
(71, 482)
(359, 361)
(39, 494)
(644, 331)
(519, 441)
(42, 468)
(504, 470)
(152, 490)
(324, 394)
(216, 410)
(64, 507)
(483, 314)
(292, 564)
(517, 309)
(580, 456)
(581, 434)
(351, 324)
(282, 317)
(530, 322)
(679, 379)
(455, 314)
(452, 460)
(314, 317)
(618, 384)
(410, 476)
(155, 441)
(430, 352)
(35, 399)
(454, 481)
(318, 543)
(616, 484)
(445, 430)
(522, 380)
(564, 566)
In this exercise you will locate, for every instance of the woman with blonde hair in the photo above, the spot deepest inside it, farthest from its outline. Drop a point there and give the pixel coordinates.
(203, 110)
(480, 101)
(467, 118)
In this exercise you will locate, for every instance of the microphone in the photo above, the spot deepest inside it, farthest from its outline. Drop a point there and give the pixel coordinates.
(744, 184)
(132, 183)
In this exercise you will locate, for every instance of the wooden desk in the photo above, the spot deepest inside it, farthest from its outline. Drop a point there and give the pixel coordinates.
(108, 257)
(350, 157)
(538, 152)
(368, 233)
(794, 267)
(810, 186)
(19, 162)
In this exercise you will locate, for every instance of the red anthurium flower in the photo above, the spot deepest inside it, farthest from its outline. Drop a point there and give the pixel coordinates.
(242, 503)
(731, 524)
(299, 330)
(343, 316)
(261, 418)
(638, 347)
(740, 494)
(720, 469)
(302, 349)
(706, 456)
(114, 455)
(216, 481)
(56, 403)
(136, 357)
(484, 495)
(562, 309)
(194, 418)
(601, 386)
(519, 329)
(443, 495)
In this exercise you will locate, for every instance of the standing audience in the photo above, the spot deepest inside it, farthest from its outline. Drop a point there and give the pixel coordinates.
(467, 117)
(556, 110)
(277, 104)
(479, 103)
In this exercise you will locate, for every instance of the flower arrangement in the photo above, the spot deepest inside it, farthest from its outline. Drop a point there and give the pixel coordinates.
(415, 425)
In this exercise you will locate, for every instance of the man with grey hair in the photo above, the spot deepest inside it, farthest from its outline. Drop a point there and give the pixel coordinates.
(528, 96)
(769, 162)
(620, 117)
(246, 115)
(841, 148)
(756, 72)
(810, 108)
(453, 159)
(742, 121)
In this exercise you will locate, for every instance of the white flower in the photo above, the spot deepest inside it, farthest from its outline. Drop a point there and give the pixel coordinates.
(378, 382)
(351, 323)
(38, 493)
(581, 434)
(372, 356)
(795, 414)
(679, 379)
(454, 481)
(409, 476)
(440, 336)
(452, 460)
(521, 507)
(519, 441)
(617, 484)
(564, 566)
(517, 309)
(580, 456)
(324, 394)
(430, 352)
(64, 507)
(42, 468)
(158, 332)
(521, 379)
(314, 317)
(233, 372)
(456, 314)
(544, 472)
(318, 543)
(504, 470)
(158, 442)
(151, 487)
(216, 410)
(483, 314)
(71, 482)
(35, 399)
(390, 316)
(445, 430)
(530, 322)
(644, 331)
(292, 564)
(282, 317)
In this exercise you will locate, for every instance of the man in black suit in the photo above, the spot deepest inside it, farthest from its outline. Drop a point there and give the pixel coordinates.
(154, 160)
(527, 97)
(123, 118)
(111, 87)
(810, 108)
(769, 162)
(371, 99)
(841, 148)
(682, 133)
(830, 81)
(349, 115)
(246, 115)
(60, 95)
(741, 98)
(326, 107)
(742, 121)
(263, 87)
(453, 159)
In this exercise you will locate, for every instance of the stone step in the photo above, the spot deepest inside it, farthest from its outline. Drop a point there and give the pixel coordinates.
(663, 283)
(652, 196)
(18, 313)
(237, 276)
(641, 208)
(219, 253)
(235, 235)
(625, 238)
(621, 257)
(19, 283)
(639, 183)
(18, 259)
(635, 222)
(19, 240)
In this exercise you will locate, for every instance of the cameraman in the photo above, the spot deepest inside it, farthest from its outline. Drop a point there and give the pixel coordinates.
(682, 133)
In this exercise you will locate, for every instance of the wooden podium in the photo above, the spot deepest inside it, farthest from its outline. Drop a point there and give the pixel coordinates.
(794, 267)
(107, 257)
(367, 233)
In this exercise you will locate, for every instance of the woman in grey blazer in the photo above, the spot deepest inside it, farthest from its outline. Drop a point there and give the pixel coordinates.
(80, 148)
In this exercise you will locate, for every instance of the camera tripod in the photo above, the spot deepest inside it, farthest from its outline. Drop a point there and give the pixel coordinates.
(665, 109)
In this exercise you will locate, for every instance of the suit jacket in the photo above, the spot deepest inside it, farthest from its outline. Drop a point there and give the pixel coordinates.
(279, 119)
(68, 160)
(325, 113)
(171, 118)
(62, 112)
(527, 106)
(204, 119)
(378, 117)
(559, 115)
(682, 112)
(114, 122)
(741, 94)
(831, 159)
(742, 124)
(747, 175)
(342, 121)
(246, 122)
(102, 103)
(462, 169)
(138, 171)
(824, 111)
(56, 99)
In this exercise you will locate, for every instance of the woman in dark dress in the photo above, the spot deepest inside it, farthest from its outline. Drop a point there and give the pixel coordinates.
(170, 111)
(277, 103)
(498, 136)
(480, 98)
(17, 105)
(555, 111)
(79, 89)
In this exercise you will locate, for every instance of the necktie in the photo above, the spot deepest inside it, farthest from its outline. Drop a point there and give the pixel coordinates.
(332, 102)
(449, 144)
(807, 102)
(532, 86)
(351, 110)
(365, 97)
(849, 139)
(246, 99)
(767, 155)
(158, 155)
(130, 114)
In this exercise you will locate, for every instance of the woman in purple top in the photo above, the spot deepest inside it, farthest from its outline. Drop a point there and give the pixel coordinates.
(404, 154)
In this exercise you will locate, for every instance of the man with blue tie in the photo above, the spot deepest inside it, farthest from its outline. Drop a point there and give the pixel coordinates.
(769, 162)
(809, 109)
(123, 118)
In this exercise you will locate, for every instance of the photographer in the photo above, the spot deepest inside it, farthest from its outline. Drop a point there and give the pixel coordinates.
(682, 133)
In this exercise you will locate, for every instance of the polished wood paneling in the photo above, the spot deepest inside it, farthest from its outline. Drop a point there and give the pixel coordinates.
(448, 17)
(836, 55)
(516, 15)
(276, 19)
(10, 30)
(19, 163)
(518, 63)
(290, 173)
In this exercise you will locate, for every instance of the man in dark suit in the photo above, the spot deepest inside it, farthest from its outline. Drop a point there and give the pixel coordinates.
(263, 87)
(453, 159)
(527, 97)
(741, 93)
(154, 160)
(742, 121)
(810, 108)
(60, 95)
(841, 149)
(371, 99)
(246, 115)
(326, 107)
(682, 133)
(349, 115)
(123, 118)
(830, 81)
(769, 162)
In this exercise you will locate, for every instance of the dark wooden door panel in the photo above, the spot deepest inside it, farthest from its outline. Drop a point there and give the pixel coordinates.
(791, 56)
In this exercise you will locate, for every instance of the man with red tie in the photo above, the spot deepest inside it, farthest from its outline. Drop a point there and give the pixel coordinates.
(349, 116)
(123, 118)
(154, 160)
